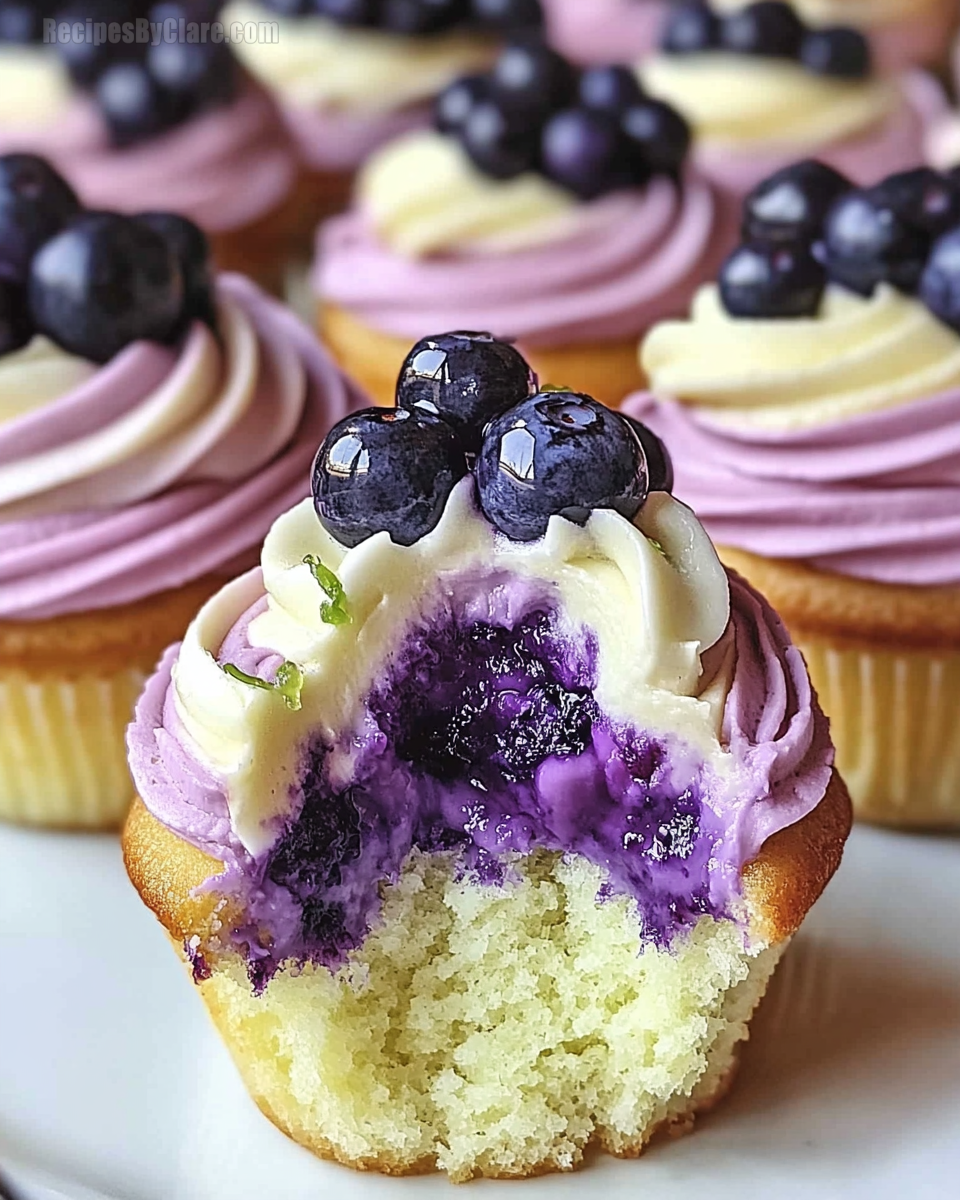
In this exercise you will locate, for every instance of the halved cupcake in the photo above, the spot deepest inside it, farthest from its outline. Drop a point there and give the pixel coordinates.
(549, 206)
(813, 405)
(175, 125)
(485, 809)
(153, 423)
(760, 90)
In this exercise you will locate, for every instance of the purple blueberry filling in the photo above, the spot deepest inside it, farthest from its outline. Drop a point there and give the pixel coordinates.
(485, 738)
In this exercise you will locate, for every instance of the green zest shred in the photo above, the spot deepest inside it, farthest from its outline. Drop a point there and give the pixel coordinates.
(334, 611)
(288, 682)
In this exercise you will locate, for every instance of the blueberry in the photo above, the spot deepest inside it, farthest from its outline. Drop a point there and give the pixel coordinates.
(457, 101)
(133, 104)
(792, 203)
(83, 57)
(691, 28)
(922, 198)
(499, 144)
(103, 282)
(189, 243)
(770, 28)
(580, 150)
(16, 327)
(558, 453)
(771, 281)
(199, 73)
(35, 203)
(421, 16)
(657, 136)
(386, 469)
(940, 281)
(531, 79)
(659, 462)
(508, 14)
(20, 23)
(609, 89)
(865, 243)
(289, 8)
(350, 12)
(844, 53)
(465, 378)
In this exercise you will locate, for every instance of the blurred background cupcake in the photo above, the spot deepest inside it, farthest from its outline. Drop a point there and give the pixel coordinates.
(351, 75)
(761, 89)
(547, 206)
(176, 125)
(153, 423)
(812, 406)
(901, 33)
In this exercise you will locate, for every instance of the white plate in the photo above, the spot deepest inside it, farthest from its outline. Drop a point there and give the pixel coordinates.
(113, 1084)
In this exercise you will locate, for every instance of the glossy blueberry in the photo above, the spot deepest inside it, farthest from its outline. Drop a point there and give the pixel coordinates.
(421, 16)
(84, 57)
(103, 282)
(659, 462)
(923, 198)
(35, 203)
(289, 8)
(386, 469)
(866, 243)
(771, 280)
(558, 453)
(465, 378)
(940, 281)
(20, 22)
(508, 14)
(499, 143)
(189, 243)
(199, 73)
(791, 204)
(657, 136)
(769, 28)
(531, 79)
(843, 53)
(691, 28)
(580, 150)
(350, 12)
(609, 89)
(16, 327)
(133, 104)
(457, 101)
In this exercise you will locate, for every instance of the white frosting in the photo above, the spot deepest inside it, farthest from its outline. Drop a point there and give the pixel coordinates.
(34, 87)
(424, 196)
(39, 373)
(317, 63)
(654, 612)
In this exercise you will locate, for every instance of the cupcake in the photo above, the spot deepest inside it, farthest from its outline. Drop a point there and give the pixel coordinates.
(814, 416)
(174, 125)
(547, 206)
(153, 423)
(483, 812)
(760, 90)
(353, 76)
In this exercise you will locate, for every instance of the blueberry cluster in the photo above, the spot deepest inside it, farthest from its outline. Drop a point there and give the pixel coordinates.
(419, 17)
(21, 21)
(770, 29)
(807, 225)
(93, 282)
(590, 131)
(469, 403)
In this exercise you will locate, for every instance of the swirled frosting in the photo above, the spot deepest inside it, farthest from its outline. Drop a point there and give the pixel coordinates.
(833, 440)
(164, 465)
(225, 168)
(706, 674)
(752, 116)
(521, 259)
(347, 91)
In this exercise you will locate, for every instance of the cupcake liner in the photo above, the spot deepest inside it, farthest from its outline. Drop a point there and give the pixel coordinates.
(895, 719)
(62, 755)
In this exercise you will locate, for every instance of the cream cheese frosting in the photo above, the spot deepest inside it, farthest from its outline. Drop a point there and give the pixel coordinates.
(35, 88)
(833, 440)
(163, 465)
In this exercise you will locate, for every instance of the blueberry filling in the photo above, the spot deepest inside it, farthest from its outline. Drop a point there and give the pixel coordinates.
(484, 738)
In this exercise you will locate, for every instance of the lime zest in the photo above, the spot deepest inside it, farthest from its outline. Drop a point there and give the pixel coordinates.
(334, 611)
(287, 684)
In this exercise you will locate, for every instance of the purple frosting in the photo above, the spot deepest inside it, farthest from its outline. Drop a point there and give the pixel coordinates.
(484, 738)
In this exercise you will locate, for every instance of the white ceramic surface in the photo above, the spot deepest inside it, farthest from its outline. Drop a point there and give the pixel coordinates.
(113, 1084)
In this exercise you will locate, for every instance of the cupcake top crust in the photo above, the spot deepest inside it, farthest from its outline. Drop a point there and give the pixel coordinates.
(480, 644)
(814, 389)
